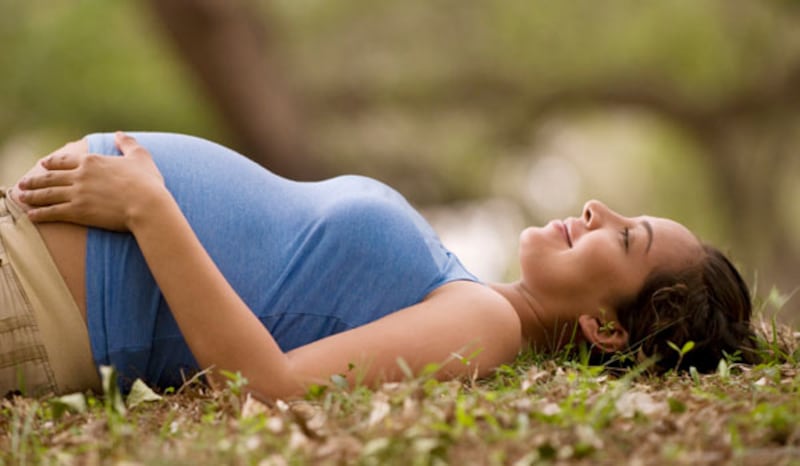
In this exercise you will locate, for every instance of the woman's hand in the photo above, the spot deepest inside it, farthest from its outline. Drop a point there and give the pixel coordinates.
(92, 189)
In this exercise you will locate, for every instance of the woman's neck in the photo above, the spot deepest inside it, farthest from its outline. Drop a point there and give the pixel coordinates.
(542, 329)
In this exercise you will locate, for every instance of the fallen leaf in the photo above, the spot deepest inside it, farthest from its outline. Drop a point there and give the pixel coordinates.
(380, 409)
(74, 402)
(141, 393)
(632, 402)
(252, 407)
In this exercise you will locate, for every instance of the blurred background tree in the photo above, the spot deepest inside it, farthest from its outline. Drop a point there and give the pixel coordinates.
(488, 115)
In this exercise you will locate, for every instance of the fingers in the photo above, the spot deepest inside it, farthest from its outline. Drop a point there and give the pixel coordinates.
(46, 180)
(62, 161)
(126, 144)
(130, 147)
(45, 196)
(51, 213)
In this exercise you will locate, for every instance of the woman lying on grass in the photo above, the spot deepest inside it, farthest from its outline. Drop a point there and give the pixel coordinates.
(181, 255)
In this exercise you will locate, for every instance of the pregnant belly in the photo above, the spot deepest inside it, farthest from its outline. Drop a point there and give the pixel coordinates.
(66, 243)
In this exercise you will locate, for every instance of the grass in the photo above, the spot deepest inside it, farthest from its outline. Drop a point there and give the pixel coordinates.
(535, 411)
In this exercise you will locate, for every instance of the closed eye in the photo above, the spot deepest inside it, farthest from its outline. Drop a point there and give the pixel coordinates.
(625, 238)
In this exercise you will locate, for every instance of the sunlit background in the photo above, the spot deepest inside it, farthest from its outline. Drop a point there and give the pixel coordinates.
(487, 115)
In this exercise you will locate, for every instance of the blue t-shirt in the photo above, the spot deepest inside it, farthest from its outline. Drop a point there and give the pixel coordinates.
(309, 259)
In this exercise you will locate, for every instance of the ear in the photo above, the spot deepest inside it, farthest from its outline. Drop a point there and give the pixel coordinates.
(608, 336)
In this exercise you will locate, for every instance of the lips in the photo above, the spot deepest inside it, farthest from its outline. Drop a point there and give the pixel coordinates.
(566, 233)
(562, 228)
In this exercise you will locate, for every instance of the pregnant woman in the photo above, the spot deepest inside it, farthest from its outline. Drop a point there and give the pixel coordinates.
(165, 254)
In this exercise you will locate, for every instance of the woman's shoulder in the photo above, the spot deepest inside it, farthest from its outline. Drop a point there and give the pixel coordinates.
(482, 307)
(477, 293)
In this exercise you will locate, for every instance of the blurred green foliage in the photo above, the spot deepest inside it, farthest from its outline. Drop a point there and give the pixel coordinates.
(72, 67)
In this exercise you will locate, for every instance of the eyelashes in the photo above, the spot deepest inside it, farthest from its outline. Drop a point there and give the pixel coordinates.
(625, 238)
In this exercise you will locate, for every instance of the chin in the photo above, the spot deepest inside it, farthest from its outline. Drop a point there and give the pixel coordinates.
(529, 234)
(530, 243)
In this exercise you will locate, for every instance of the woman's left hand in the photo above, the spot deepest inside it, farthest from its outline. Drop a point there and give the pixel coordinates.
(93, 190)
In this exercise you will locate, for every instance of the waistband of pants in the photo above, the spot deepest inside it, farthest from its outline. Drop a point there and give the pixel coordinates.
(63, 330)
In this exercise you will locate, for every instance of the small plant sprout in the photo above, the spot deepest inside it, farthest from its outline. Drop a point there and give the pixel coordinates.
(777, 299)
(693, 372)
(608, 327)
(235, 389)
(688, 346)
(235, 382)
(723, 369)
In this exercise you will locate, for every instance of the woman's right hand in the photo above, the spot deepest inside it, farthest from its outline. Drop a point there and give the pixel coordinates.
(94, 190)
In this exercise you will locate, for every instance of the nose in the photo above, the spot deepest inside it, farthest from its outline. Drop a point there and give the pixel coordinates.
(595, 214)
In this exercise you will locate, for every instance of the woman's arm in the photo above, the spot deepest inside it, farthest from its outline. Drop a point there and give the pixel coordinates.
(221, 331)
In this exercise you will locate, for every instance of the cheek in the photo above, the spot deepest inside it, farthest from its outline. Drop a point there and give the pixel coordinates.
(619, 280)
(599, 266)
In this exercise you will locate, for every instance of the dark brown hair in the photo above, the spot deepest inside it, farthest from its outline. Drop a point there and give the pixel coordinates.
(708, 304)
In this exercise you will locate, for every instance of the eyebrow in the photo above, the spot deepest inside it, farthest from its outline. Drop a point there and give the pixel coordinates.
(649, 229)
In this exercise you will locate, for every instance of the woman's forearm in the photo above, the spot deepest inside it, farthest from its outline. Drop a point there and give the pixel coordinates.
(218, 326)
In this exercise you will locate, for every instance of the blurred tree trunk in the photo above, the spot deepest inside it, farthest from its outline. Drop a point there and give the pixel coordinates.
(748, 158)
(225, 44)
(749, 139)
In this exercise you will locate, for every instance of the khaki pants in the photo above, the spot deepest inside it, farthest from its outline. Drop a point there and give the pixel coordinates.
(44, 344)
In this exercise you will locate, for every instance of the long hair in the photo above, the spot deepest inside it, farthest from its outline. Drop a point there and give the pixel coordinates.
(708, 304)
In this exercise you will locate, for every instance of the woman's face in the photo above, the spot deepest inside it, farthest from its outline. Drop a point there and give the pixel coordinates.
(587, 265)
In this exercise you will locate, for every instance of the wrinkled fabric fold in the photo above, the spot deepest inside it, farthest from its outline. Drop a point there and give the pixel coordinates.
(44, 343)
